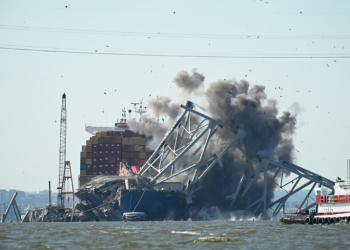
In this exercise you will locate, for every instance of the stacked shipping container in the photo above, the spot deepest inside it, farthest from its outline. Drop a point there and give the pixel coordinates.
(104, 152)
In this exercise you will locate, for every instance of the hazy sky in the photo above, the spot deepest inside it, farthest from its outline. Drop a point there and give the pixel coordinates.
(32, 82)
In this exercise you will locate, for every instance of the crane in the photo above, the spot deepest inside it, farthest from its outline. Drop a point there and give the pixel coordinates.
(62, 156)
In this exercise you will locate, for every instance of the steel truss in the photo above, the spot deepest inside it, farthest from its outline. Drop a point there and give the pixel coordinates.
(182, 155)
(272, 173)
(189, 139)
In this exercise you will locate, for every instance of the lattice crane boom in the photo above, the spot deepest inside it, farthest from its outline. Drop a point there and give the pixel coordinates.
(62, 154)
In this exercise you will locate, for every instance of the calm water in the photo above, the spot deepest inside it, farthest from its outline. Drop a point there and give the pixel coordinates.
(173, 235)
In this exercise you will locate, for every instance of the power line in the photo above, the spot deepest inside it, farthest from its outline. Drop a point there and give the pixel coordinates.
(145, 54)
(174, 35)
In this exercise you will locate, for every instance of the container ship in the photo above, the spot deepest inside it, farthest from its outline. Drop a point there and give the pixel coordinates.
(109, 184)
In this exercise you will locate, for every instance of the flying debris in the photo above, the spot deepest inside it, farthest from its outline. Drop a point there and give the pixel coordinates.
(96, 50)
(105, 93)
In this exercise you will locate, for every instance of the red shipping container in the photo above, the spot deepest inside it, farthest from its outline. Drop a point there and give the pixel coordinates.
(94, 154)
(130, 161)
(88, 155)
(101, 140)
(130, 148)
(142, 162)
(82, 160)
(137, 161)
(130, 155)
(112, 139)
(136, 154)
(111, 159)
(148, 155)
(88, 149)
(118, 139)
(125, 148)
(106, 139)
(110, 133)
(125, 155)
(135, 169)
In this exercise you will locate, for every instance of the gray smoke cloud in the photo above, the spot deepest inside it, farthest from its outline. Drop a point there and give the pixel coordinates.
(269, 134)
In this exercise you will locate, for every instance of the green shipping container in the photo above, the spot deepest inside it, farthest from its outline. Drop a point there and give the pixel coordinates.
(83, 154)
(142, 155)
(125, 141)
(95, 141)
(89, 143)
(104, 133)
(142, 141)
(137, 140)
(136, 147)
(88, 161)
(148, 149)
(131, 141)
(82, 172)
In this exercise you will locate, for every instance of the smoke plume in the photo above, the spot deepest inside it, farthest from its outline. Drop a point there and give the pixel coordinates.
(269, 133)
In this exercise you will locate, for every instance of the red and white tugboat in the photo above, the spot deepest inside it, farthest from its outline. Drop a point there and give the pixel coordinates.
(330, 209)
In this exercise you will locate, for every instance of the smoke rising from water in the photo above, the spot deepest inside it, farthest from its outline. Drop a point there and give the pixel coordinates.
(269, 134)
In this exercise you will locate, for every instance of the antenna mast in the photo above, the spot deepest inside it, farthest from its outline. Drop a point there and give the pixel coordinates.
(62, 156)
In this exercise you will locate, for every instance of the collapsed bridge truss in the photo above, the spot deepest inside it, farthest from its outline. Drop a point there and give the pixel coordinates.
(184, 156)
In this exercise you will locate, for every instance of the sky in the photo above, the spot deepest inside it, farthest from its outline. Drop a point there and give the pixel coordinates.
(299, 50)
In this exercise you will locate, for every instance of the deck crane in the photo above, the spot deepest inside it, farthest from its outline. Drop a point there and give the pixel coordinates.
(62, 156)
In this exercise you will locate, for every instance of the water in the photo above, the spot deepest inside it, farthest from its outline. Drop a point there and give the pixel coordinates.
(173, 235)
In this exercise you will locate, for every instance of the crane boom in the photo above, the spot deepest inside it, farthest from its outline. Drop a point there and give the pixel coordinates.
(62, 156)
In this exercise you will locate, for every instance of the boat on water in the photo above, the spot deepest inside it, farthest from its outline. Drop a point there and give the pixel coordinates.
(330, 208)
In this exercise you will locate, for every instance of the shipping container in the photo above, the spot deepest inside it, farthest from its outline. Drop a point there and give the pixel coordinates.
(111, 159)
(106, 139)
(82, 166)
(94, 160)
(106, 160)
(107, 153)
(88, 143)
(83, 148)
(118, 139)
(137, 161)
(106, 146)
(124, 155)
(130, 148)
(101, 146)
(142, 141)
(82, 172)
(88, 155)
(148, 149)
(94, 146)
(110, 133)
(142, 148)
(142, 162)
(100, 160)
(136, 154)
(125, 148)
(88, 149)
(136, 147)
(94, 167)
(94, 154)
(82, 160)
(104, 133)
(142, 155)
(147, 155)
(88, 161)
(130, 155)
(125, 141)
(83, 154)
(112, 139)
(94, 141)
(88, 167)
(112, 172)
(131, 141)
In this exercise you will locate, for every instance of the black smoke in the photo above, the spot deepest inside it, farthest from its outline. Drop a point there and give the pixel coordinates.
(269, 133)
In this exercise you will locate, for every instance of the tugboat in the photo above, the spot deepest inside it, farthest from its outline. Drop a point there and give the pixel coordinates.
(329, 209)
